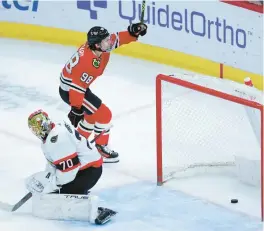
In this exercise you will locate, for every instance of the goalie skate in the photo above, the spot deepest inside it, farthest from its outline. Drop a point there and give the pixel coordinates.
(109, 156)
(104, 215)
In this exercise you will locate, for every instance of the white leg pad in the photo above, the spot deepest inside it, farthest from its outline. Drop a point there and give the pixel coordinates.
(65, 207)
(93, 208)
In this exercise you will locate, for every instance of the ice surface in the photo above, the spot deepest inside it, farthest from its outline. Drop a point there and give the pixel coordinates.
(29, 80)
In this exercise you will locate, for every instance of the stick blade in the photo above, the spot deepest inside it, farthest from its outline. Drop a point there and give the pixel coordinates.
(21, 202)
(12, 208)
(6, 207)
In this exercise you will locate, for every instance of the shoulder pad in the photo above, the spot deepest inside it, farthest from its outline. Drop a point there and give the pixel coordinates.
(54, 139)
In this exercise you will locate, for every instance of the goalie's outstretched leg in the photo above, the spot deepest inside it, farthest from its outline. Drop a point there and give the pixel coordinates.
(71, 207)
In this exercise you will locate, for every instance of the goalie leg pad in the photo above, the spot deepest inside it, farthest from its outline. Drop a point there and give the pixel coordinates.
(65, 207)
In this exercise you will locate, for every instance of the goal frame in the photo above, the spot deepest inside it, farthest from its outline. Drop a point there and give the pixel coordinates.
(208, 91)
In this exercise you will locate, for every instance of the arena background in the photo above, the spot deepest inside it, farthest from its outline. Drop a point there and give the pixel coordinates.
(189, 35)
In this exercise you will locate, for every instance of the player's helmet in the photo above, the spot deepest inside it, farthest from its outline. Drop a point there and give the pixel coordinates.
(40, 124)
(95, 36)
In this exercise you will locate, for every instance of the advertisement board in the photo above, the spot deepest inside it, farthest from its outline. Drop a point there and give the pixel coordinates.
(212, 30)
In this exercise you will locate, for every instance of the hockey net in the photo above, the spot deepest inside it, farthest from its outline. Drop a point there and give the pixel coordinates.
(207, 125)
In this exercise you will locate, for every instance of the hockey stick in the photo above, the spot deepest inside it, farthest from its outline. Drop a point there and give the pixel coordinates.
(101, 133)
(12, 208)
(142, 11)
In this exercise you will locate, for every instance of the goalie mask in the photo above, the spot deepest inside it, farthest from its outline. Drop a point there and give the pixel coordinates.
(40, 124)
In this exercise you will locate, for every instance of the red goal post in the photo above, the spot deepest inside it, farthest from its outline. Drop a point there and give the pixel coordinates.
(201, 89)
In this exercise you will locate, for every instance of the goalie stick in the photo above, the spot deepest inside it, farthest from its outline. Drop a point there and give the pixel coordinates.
(12, 208)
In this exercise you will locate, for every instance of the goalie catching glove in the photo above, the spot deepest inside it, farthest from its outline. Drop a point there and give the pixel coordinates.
(137, 29)
(41, 183)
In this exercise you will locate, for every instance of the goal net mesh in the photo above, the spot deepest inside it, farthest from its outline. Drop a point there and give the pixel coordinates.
(204, 134)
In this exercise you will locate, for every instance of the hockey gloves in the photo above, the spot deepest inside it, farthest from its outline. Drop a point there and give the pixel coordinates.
(41, 183)
(137, 29)
(75, 115)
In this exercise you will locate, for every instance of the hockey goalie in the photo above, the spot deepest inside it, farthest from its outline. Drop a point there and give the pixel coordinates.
(73, 167)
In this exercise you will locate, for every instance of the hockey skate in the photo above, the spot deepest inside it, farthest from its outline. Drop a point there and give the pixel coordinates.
(109, 156)
(104, 215)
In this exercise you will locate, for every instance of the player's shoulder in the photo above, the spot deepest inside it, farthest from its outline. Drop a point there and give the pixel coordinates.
(59, 143)
(59, 133)
(84, 51)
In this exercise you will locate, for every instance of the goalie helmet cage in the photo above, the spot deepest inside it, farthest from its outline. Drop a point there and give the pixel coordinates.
(204, 90)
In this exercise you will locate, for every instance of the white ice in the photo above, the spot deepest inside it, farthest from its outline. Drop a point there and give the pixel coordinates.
(29, 80)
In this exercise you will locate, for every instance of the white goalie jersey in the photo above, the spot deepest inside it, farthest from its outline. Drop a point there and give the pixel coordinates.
(67, 153)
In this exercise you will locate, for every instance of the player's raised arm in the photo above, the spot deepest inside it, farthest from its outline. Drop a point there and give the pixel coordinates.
(131, 35)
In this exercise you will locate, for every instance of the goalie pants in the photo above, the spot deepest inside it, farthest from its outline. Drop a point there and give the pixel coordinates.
(83, 182)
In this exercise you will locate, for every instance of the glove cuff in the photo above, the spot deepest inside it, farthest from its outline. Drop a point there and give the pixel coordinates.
(129, 29)
(77, 111)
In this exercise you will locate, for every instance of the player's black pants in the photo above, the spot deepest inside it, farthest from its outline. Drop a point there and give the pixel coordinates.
(89, 96)
(84, 181)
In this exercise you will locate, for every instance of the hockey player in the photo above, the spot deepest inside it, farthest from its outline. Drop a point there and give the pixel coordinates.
(88, 113)
(73, 168)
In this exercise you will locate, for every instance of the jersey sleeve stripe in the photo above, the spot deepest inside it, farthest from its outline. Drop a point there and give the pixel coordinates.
(66, 85)
(77, 90)
(78, 87)
(68, 82)
(65, 78)
(63, 82)
(88, 107)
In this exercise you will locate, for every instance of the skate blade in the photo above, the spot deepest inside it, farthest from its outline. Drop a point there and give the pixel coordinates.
(110, 160)
(105, 216)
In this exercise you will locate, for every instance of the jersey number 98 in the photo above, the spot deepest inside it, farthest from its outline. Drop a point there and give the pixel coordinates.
(86, 78)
